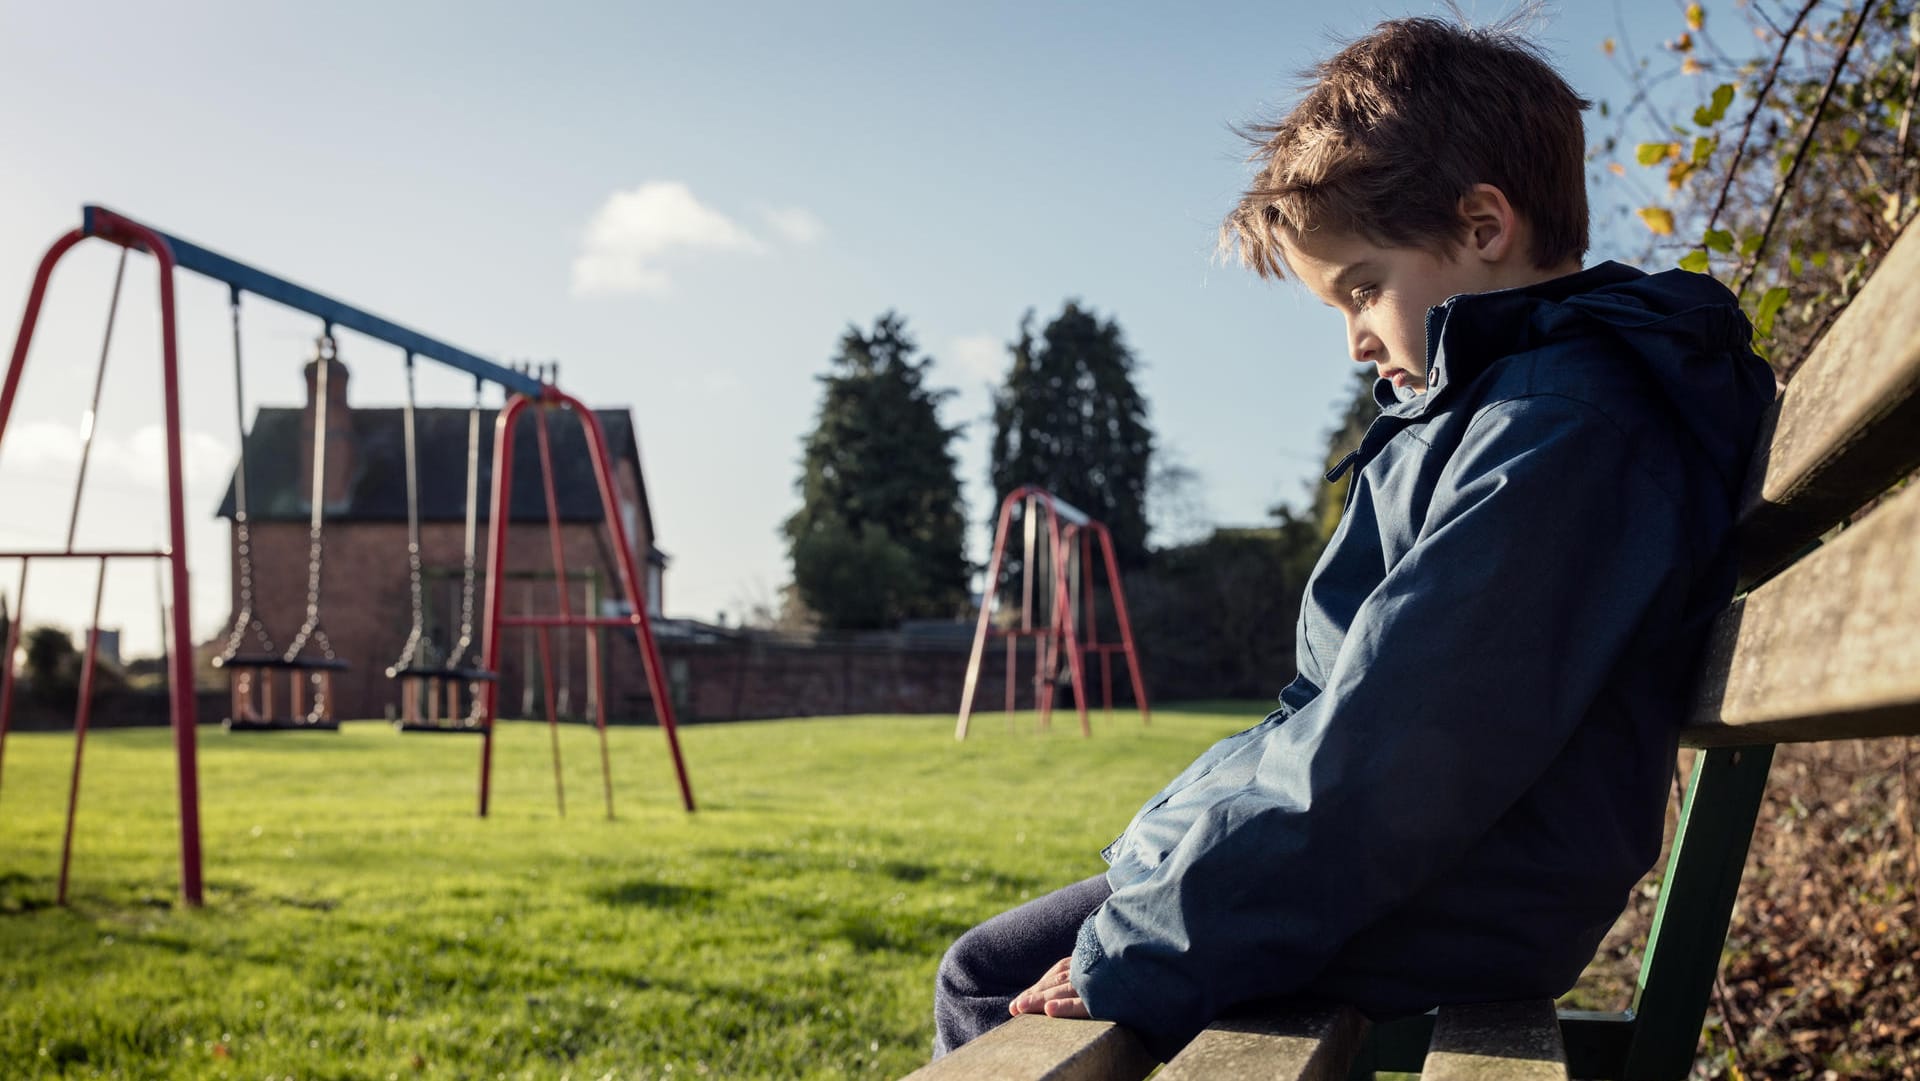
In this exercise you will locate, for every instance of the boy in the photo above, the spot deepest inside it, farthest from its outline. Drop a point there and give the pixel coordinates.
(1470, 772)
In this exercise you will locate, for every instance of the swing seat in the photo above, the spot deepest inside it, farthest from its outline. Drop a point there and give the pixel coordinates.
(445, 675)
(278, 662)
(457, 729)
(436, 679)
(279, 724)
(275, 662)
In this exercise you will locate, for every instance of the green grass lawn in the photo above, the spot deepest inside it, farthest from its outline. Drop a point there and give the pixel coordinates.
(362, 923)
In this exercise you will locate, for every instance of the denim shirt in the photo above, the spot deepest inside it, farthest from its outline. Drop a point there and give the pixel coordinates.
(1471, 770)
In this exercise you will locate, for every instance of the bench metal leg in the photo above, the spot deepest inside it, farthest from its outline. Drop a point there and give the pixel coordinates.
(1696, 903)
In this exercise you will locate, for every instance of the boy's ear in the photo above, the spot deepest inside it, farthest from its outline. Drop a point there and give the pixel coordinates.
(1492, 225)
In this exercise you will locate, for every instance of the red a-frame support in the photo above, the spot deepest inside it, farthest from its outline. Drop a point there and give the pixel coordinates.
(136, 237)
(635, 619)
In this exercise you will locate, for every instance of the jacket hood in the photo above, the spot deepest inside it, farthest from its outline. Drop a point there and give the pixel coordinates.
(1685, 330)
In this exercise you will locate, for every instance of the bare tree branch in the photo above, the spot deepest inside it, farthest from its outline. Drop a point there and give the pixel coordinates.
(1753, 113)
(1906, 129)
(1785, 187)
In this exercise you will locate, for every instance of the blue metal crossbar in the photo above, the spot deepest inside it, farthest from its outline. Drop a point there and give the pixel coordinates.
(1071, 514)
(243, 278)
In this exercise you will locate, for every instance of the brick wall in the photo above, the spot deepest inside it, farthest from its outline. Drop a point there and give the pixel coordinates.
(114, 709)
(760, 677)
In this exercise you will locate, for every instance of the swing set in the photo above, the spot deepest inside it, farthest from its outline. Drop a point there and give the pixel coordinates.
(430, 682)
(1056, 577)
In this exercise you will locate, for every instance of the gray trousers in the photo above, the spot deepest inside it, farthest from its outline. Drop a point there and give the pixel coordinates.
(986, 967)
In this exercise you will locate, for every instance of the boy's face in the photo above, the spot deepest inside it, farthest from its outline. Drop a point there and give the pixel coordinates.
(1384, 294)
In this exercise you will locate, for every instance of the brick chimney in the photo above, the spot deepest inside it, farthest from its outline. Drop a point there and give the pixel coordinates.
(339, 421)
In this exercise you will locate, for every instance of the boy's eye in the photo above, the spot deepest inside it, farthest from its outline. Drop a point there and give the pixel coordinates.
(1364, 294)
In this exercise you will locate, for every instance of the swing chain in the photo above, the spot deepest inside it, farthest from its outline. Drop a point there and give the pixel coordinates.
(418, 649)
(243, 618)
(312, 630)
(467, 559)
(466, 611)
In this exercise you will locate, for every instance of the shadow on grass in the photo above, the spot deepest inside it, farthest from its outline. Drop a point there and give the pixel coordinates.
(645, 894)
(826, 859)
(240, 893)
(914, 937)
(864, 928)
(901, 871)
(21, 893)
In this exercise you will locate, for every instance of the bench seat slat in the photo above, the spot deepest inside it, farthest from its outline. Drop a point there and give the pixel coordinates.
(1316, 1045)
(1035, 1048)
(1499, 1041)
(1829, 649)
(1844, 429)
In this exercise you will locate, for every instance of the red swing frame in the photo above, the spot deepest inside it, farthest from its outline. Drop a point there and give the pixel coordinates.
(182, 714)
(1069, 531)
(136, 237)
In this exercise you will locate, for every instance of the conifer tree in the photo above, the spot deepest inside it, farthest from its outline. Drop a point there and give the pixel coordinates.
(1356, 415)
(1070, 420)
(880, 533)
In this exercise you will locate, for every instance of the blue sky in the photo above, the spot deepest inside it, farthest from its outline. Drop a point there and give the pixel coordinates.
(685, 206)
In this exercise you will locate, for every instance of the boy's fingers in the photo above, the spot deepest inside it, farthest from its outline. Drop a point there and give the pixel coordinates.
(1052, 985)
(1071, 1007)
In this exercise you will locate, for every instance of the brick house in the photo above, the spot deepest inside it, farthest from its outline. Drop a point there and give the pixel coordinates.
(365, 600)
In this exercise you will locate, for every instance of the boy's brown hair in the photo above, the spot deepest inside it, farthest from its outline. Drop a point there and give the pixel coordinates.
(1400, 124)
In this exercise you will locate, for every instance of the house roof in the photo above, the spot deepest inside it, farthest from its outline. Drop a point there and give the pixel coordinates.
(377, 491)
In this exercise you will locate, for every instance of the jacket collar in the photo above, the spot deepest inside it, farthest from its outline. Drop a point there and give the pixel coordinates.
(1468, 332)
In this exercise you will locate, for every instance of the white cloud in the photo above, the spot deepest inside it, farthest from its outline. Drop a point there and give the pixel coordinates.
(50, 451)
(795, 225)
(634, 230)
(979, 357)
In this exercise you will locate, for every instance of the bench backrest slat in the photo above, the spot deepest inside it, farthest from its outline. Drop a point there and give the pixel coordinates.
(1316, 1045)
(1828, 649)
(1035, 1048)
(1497, 1041)
(1848, 425)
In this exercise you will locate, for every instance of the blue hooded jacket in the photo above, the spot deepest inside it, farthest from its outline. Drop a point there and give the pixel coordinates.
(1471, 771)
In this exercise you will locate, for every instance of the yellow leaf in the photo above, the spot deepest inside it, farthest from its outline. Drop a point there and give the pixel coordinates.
(1617, 169)
(1683, 43)
(1696, 17)
(1659, 219)
(1690, 66)
(1607, 46)
(1655, 153)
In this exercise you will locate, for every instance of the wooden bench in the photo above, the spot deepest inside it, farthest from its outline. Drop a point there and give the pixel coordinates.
(1824, 644)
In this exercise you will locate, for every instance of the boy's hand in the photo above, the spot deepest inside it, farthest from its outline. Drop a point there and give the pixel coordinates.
(1053, 995)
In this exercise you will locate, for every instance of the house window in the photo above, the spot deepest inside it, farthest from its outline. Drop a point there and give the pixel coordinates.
(630, 521)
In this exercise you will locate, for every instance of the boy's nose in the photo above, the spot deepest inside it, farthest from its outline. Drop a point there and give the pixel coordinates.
(1362, 346)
